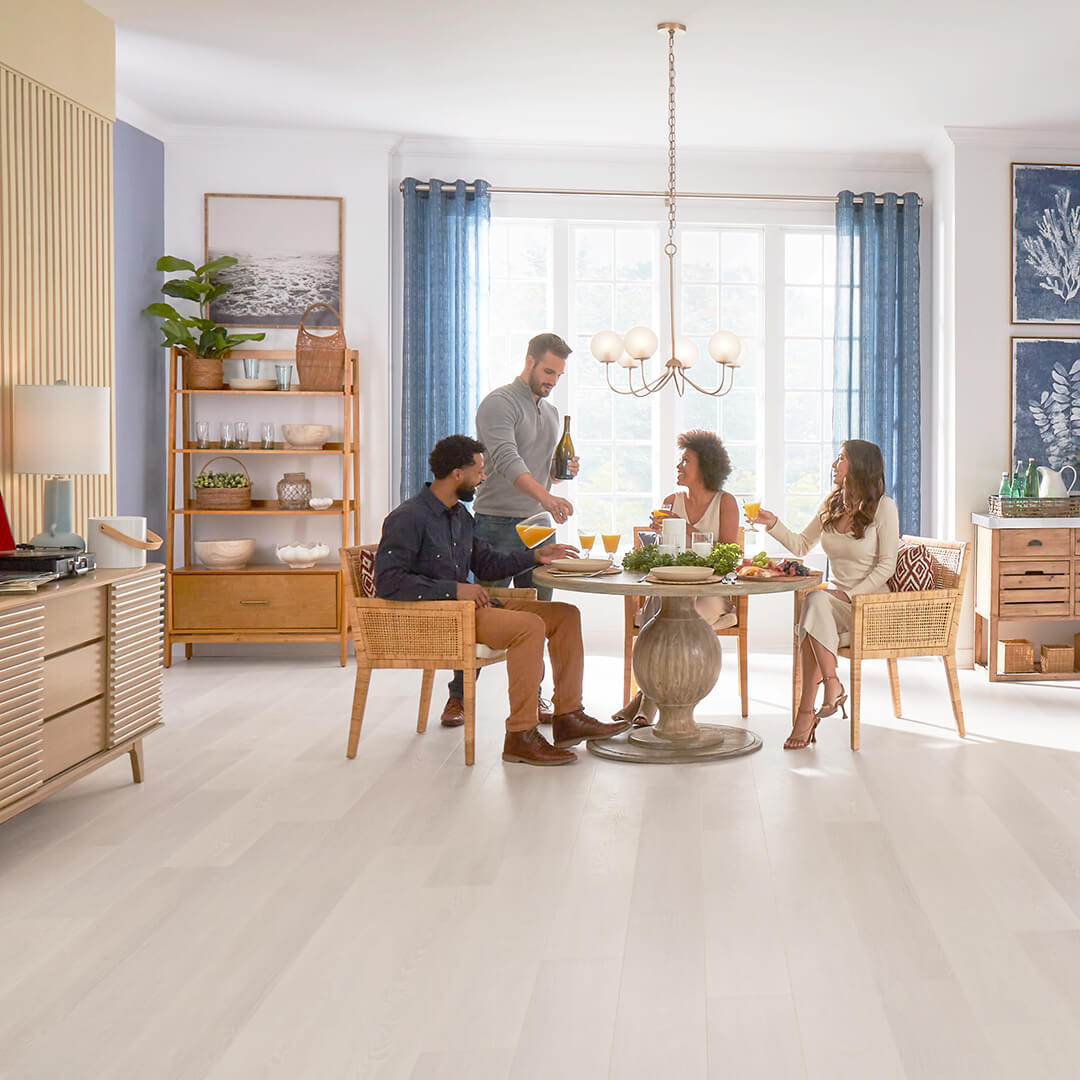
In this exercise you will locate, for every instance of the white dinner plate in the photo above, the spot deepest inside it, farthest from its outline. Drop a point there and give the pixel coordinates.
(579, 566)
(681, 574)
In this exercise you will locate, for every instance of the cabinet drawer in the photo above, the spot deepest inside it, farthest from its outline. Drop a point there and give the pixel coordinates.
(266, 602)
(73, 737)
(74, 620)
(1036, 543)
(1034, 575)
(74, 677)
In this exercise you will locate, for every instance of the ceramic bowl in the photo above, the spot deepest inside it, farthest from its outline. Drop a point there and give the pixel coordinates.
(301, 556)
(579, 566)
(225, 554)
(320, 503)
(682, 573)
(306, 436)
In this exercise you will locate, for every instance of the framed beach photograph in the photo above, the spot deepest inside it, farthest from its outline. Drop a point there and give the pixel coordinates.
(1045, 406)
(289, 247)
(1045, 243)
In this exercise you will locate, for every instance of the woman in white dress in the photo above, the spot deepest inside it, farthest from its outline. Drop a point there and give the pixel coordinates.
(859, 531)
(705, 507)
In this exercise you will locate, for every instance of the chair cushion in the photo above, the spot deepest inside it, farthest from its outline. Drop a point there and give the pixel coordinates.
(914, 569)
(484, 652)
(367, 573)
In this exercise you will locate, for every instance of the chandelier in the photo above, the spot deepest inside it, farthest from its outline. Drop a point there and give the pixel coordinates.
(639, 343)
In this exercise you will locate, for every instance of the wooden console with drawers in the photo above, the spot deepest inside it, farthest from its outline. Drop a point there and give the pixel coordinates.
(80, 680)
(1026, 569)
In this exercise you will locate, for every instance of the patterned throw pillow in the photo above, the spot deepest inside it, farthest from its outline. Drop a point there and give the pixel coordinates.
(914, 569)
(367, 573)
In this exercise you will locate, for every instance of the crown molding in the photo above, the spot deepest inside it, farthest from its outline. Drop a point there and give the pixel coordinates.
(1035, 138)
(148, 122)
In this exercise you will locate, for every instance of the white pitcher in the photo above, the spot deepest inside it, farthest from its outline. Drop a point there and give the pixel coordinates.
(1052, 484)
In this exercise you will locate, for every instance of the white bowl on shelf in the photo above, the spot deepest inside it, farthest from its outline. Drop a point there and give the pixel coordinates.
(305, 436)
(320, 502)
(225, 554)
(301, 556)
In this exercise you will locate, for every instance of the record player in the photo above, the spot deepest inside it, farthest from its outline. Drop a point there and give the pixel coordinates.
(61, 562)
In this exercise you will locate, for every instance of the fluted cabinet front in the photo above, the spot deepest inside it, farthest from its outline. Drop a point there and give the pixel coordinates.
(136, 630)
(22, 700)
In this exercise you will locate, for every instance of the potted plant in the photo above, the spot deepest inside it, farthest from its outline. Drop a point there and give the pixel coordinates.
(201, 340)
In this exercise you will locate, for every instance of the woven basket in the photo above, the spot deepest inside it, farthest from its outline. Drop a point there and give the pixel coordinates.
(201, 372)
(224, 498)
(1056, 658)
(1002, 506)
(320, 358)
(1015, 655)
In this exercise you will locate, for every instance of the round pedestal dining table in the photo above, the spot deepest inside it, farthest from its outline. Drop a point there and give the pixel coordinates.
(676, 663)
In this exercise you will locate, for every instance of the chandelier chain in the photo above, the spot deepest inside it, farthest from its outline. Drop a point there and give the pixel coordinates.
(671, 143)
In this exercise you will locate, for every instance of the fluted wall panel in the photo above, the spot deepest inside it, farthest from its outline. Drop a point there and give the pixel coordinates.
(56, 271)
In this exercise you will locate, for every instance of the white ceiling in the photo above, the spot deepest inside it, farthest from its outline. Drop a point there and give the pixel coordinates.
(778, 75)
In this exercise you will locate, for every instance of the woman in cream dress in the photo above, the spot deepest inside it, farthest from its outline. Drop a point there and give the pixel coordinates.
(859, 531)
(705, 507)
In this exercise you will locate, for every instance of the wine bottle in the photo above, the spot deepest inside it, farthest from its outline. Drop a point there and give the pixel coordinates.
(564, 451)
(1031, 480)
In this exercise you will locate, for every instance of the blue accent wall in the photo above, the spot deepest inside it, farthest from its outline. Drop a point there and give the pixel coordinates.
(141, 387)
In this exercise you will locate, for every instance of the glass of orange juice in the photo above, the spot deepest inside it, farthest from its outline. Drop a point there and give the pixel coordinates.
(611, 542)
(586, 540)
(537, 530)
(751, 510)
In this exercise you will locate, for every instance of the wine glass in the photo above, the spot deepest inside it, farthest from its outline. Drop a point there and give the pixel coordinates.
(751, 511)
(586, 541)
(611, 542)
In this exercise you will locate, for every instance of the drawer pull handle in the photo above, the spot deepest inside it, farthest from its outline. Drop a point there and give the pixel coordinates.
(1034, 543)
(254, 603)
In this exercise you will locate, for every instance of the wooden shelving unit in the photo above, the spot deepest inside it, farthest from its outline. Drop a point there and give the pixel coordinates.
(260, 603)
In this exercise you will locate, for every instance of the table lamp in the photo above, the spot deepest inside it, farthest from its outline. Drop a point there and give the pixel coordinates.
(58, 431)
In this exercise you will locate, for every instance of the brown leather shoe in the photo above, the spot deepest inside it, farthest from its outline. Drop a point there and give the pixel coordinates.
(531, 748)
(453, 714)
(545, 711)
(570, 728)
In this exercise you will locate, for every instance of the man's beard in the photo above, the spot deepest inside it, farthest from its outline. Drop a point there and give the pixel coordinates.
(466, 493)
(537, 388)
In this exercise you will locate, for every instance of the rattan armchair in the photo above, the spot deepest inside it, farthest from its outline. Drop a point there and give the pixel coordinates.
(426, 635)
(889, 626)
(632, 606)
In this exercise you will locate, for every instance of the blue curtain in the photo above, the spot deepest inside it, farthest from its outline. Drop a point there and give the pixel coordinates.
(444, 326)
(876, 364)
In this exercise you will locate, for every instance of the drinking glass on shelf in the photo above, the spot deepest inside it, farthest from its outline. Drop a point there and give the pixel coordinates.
(251, 367)
(241, 435)
(284, 375)
(586, 541)
(751, 511)
(611, 542)
(701, 543)
(202, 434)
(227, 442)
(268, 436)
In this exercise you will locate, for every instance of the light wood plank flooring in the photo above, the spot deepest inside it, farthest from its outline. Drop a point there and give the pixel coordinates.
(262, 907)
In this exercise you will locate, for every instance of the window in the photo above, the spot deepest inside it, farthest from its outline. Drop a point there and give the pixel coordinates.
(773, 285)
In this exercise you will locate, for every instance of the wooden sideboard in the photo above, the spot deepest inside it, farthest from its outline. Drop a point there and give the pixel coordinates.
(1026, 569)
(80, 680)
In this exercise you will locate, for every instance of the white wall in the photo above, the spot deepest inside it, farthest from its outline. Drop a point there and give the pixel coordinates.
(982, 370)
(348, 164)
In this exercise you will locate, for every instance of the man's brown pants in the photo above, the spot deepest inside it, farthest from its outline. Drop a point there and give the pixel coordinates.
(520, 627)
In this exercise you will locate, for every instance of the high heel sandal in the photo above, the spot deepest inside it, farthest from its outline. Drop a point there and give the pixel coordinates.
(828, 708)
(793, 742)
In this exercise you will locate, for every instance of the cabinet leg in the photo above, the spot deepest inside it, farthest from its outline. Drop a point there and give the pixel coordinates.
(188, 650)
(135, 753)
(979, 649)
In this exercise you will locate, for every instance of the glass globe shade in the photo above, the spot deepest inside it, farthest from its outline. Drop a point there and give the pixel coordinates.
(724, 348)
(640, 342)
(686, 352)
(606, 346)
(628, 361)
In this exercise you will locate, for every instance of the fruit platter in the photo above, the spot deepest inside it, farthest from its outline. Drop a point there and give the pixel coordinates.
(763, 568)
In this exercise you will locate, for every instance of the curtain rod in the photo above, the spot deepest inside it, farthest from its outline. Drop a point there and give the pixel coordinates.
(469, 188)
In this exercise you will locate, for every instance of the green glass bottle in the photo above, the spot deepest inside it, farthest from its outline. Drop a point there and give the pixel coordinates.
(1005, 491)
(564, 453)
(1018, 481)
(1031, 480)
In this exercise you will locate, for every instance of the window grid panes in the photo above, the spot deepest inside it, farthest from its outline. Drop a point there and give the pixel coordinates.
(613, 284)
(522, 293)
(809, 317)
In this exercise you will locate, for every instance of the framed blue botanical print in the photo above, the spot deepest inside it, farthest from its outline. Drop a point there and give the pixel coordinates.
(1046, 400)
(1045, 243)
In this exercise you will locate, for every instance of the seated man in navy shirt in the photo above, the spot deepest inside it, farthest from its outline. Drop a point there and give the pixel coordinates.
(427, 551)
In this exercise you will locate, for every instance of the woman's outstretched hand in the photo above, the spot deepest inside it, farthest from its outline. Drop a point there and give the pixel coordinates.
(766, 518)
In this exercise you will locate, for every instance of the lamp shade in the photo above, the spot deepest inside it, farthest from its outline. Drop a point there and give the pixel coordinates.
(59, 430)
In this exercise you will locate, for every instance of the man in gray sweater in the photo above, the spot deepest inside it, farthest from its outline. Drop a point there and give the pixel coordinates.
(520, 429)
